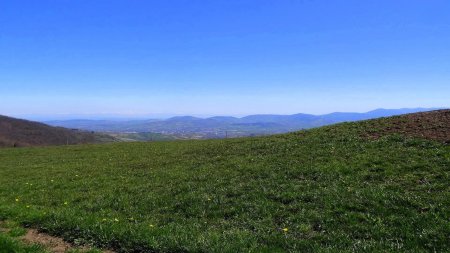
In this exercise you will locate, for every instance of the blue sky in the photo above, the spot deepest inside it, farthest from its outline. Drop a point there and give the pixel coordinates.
(66, 58)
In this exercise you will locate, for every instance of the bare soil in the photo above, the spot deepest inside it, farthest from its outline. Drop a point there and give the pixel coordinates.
(433, 125)
(51, 243)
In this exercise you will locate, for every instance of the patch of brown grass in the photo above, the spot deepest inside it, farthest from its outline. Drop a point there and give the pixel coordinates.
(433, 125)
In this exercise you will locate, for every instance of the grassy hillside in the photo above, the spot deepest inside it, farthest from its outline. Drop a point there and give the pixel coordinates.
(22, 133)
(372, 186)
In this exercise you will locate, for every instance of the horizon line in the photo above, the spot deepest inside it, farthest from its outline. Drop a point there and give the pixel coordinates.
(165, 116)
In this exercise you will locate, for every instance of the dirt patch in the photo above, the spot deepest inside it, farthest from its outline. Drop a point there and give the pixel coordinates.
(54, 244)
(51, 243)
(434, 125)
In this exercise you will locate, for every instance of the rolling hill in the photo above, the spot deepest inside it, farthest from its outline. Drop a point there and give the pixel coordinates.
(21, 133)
(370, 186)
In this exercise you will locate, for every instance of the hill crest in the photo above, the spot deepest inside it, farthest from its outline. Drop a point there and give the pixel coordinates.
(434, 125)
(21, 133)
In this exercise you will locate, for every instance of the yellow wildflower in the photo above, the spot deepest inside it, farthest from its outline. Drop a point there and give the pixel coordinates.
(285, 229)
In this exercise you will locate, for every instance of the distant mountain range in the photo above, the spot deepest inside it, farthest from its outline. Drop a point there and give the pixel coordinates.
(225, 126)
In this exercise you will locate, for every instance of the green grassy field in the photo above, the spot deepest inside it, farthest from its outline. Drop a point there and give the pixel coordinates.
(322, 190)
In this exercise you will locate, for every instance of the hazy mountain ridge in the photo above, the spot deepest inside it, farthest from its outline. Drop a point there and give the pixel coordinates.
(227, 126)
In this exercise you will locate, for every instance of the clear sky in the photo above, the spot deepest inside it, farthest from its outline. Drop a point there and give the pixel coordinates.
(221, 57)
